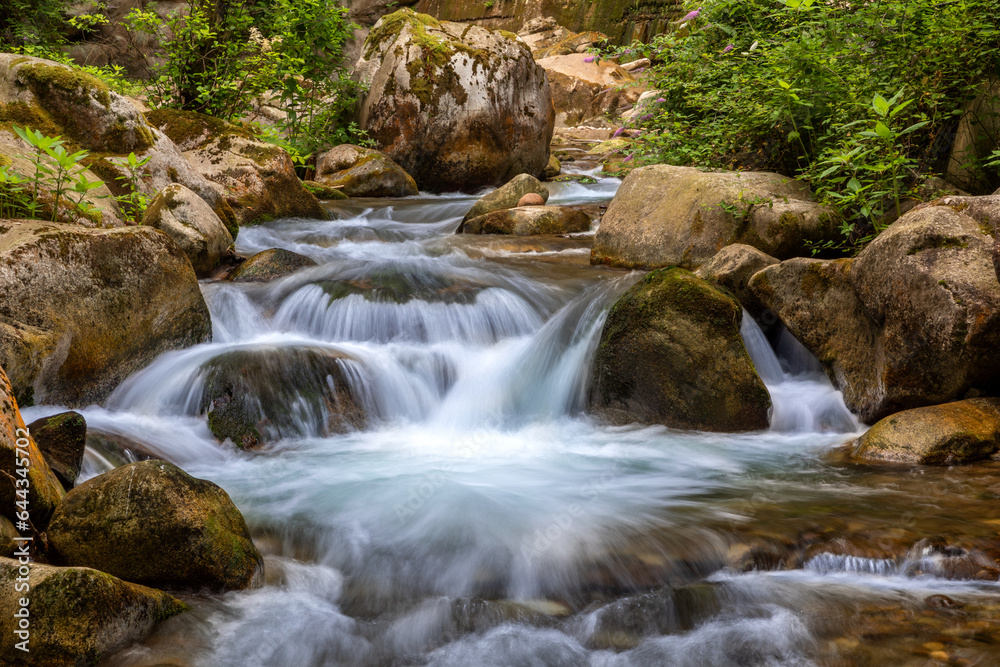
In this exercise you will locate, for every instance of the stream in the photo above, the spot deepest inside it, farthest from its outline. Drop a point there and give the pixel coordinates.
(480, 517)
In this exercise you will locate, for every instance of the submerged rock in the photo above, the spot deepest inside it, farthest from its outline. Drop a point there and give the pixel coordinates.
(270, 265)
(671, 353)
(85, 308)
(457, 106)
(529, 221)
(192, 224)
(507, 196)
(78, 616)
(948, 434)
(363, 172)
(151, 523)
(664, 215)
(62, 439)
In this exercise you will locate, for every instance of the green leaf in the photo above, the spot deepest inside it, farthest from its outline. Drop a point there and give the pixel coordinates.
(883, 131)
(880, 105)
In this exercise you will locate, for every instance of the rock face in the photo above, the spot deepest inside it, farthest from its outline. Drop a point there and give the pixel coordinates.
(167, 529)
(44, 492)
(671, 353)
(580, 89)
(458, 107)
(78, 615)
(62, 439)
(258, 396)
(959, 432)
(914, 320)
(362, 172)
(192, 224)
(270, 265)
(255, 178)
(664, 215)
(529, 221)
(84, 308)
(507, 196)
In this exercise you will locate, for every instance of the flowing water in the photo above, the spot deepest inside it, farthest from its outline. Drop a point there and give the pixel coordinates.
(480, 517)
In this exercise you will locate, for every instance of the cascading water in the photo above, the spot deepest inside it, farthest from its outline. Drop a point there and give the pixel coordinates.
(478, 516)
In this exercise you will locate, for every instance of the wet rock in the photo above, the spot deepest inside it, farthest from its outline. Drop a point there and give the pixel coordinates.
(508, 196)
(78, 616)
(153, 524)
(553, 169)
(363, 172)
(959, 432)
(323, 192)
(44, 492)
(192, 224)
(85, 308)
(530, 199)
(914, 320)
(529, 221)
(670, 353)
(62, 439)
(457, 106)
(257, 396)
(255, 178)
(270, 265)
(935, 557)
(732, 267)
(580, 88)
(664, 215)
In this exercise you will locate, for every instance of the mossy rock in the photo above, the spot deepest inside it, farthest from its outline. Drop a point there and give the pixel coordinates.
(553, 169)
(62, 439)
(583, 179)
(324, 191)
(192, 224)
(671, 353)
(78, 615)
(362, 172)
(167, 529)
(270, 265)
(530, 221)
(507, 196)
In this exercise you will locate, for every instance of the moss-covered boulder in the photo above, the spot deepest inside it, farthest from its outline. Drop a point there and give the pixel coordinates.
(270, 265)
(78, 616)
(553, 169)
(457, 106)
(664, 215)
(323, 191)
(733, 267)
(507, 196)
(529, 221)
(42, 492)
(671, 353)
(948, 434)
(192, 224)
(257, 179)
(62, 439)
(153, 524)
(255, 396)
(581, 85)
(363, 172)
(913, 320)
(84, 308)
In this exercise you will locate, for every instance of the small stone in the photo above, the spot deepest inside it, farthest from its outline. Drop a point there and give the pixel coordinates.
(531, 199)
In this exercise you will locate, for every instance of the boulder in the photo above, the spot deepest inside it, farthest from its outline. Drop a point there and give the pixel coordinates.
(948, 434)
(153, 524)
(459, 107)
(733, 267)
(507, 196)
(553, 169)
(192, 224)
(270, 265)
(85, 308)
(571, 43)
(255, 396)
(324, 191)
(78, 616)
(664, 215)
(529, 221)
(257, 179)
(914, 320)
(362, 172)
(671, 353)
(62, 439)
(581, 85)
(43, 490)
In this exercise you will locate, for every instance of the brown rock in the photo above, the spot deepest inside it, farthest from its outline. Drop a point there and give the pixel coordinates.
(362, 172)
(62, 439)
(531, 199)
(530, 220)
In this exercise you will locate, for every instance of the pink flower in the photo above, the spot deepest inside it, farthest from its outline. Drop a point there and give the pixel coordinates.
(618, 132)
(692, 15)
(590, 59)
(729, 47)
(661, 100)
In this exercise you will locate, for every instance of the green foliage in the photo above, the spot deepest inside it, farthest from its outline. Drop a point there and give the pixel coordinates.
(857, 97)
(134, 202)
(31, 24)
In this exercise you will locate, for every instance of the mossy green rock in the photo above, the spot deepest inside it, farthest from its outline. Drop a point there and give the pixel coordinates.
(153, 524)
(78, 615)
(44, 492)
(458, 107)
(553, 169)
(507, 196)
(192, 224)
(671, 353)
(85, 308)
(948, 434)
(529, 221)
(679, 216)
(256, 179)
(363, 172)
(270, 265)
(62, 439)
(323, 191)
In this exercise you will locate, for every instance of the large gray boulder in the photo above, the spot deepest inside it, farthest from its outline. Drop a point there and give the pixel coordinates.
(457, 106)
(192, 224)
